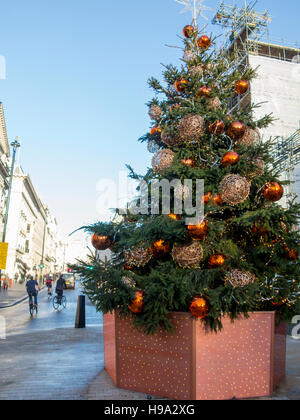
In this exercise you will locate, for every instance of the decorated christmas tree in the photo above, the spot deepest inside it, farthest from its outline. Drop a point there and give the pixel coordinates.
(242, 256)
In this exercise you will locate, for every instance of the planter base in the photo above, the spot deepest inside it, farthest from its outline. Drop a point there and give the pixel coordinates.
(246, 359)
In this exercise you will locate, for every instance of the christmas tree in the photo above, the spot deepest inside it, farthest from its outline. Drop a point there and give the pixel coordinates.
(242, 256)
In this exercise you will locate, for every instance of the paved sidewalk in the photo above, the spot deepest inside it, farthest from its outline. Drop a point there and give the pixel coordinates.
(50, 365)
(12, 295)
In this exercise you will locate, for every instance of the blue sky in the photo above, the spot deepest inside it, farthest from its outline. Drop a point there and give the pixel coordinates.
(76, 88)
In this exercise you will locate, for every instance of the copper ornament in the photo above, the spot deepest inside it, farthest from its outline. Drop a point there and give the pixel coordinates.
(204, 92)
(199, 307)
(101, 242)
(160, 248)
(137, 305)
(217, 260)
(217, 128)
(273, 191)
(155, 130)
(241, 87)
(230, 159)
(236, 130)
(200, 231)
(180, 85)
(204, 42)
(188, 31)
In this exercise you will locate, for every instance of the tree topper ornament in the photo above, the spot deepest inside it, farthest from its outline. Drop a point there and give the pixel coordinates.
(195, 6)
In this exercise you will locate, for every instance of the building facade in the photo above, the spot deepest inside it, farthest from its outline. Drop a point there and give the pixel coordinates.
(35, 247)
(4, 168)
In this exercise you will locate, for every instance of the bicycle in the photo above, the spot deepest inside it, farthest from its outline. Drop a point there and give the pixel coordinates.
(59, 302)
(32, 307)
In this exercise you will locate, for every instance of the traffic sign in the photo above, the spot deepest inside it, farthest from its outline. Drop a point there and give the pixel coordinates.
(3, 255)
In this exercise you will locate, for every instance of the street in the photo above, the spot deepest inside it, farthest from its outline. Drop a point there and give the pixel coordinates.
(46, 357)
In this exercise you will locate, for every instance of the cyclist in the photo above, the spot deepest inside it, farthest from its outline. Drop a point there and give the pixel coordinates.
(60, 286)
(49, 285)
(32, 290)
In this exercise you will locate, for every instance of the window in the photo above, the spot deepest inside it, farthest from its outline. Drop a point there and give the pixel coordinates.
(28, 228)
(27, 247)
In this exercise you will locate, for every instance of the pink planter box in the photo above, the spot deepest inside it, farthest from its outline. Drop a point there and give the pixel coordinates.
(245, 360)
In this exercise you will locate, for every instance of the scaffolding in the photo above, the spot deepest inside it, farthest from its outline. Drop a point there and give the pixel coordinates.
(287, 158)
(247, 33)
(244, 27)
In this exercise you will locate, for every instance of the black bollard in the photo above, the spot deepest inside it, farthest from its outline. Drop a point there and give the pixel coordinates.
(80, 315)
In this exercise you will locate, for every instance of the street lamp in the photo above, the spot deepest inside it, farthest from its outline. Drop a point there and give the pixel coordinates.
(15, 145)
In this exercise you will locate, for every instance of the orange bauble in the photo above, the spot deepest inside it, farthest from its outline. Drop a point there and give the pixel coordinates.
(188, 162)
(127, 267)
(180, 85)
(236, 130)
(155, 130)
(137, 305)
(207, 198)
(199, 232)
(241, 87)
(292, 254)
(188, 31)
(217, 260)
(230, 159)
(273, 191)
(260, 230)
(199, 307)
(217, 200)
(175, 216)
(204, 42)
(160, 248)
(217, 127)
(278, 304)
(204, 91)
(101, 242)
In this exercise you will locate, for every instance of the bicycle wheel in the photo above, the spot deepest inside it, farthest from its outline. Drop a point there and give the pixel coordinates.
(55, 303)
(64, 301)
(31, 310)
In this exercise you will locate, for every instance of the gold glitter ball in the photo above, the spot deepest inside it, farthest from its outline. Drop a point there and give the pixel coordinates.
(191, 128)
(162, 161)
(234, 189)
(155, 112)
(188, 256)
(138, 257)
(239, 278)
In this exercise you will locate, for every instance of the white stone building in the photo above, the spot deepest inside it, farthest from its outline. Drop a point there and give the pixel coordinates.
(4, 168)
